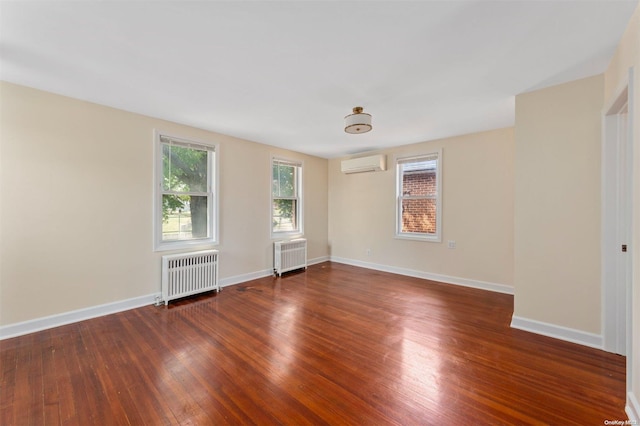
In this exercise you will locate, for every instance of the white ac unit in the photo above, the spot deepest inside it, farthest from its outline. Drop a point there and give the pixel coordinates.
(371, 163)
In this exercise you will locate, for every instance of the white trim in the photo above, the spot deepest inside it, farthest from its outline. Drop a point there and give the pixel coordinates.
(447, 279)
(437, 236)
(557, 332)
(608, 230)
(616, 229)
(317, 260)
(213, 193)
(616, 102)
(631, 336)
(297, 233)
(237, 279)
(632, 408)
(44, 323)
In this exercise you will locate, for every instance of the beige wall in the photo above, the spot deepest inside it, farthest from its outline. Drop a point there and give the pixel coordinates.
(628, 55)
(477, 211)
(557, 205)
(76, 200)
(522, 205)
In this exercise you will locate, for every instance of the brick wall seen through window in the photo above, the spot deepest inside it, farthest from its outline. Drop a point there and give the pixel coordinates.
(419, 215)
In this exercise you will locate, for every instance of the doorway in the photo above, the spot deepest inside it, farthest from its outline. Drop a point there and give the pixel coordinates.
(616, 224)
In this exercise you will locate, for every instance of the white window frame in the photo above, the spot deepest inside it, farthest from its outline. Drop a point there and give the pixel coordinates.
(300, 200)
(437, 236)
(211, 192)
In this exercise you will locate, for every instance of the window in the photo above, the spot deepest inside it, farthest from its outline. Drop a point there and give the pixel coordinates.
(185, 201)
(419, 197)
(286, 198)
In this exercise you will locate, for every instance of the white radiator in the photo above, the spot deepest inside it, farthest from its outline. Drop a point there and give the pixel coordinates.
(289, 255)
(189, 273)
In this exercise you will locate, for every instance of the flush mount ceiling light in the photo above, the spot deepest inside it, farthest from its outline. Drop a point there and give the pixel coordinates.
(358, 122)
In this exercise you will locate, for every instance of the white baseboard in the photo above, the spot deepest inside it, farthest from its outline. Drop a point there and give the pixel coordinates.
(551, 330)
(317, 260)
(238, 279)
(465, 282)
(44, 323)
(632, 409)
(557, 332)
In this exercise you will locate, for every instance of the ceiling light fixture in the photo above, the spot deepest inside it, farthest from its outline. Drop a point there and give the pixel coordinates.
(358, 122)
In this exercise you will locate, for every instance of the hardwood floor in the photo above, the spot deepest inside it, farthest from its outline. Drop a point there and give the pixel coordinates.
(335, 345)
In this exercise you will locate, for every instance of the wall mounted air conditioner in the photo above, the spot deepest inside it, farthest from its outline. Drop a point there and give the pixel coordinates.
(372, 163)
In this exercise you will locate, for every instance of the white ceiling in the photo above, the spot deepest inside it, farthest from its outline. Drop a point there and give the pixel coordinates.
(286, 73)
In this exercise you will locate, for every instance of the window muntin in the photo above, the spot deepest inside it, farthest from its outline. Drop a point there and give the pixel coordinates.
(286, 205)
(419, 197)
(185, 201)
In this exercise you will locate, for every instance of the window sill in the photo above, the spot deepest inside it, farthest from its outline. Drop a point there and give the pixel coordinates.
(424, 238)
(286, 235)
(186, 245)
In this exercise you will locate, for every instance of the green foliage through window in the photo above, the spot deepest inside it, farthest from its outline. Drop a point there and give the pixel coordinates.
(186, 191)
(285, 195)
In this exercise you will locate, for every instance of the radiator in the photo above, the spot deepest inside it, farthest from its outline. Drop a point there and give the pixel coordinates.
(189, 273)
(289, 255)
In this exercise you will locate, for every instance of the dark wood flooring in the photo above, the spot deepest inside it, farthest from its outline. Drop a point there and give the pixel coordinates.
(334, 345)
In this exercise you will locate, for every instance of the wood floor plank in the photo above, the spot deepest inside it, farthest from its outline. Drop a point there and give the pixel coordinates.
(334, 345)
(50, 394)
(8, 363)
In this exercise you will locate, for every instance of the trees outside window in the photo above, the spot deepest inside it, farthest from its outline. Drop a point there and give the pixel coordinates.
(286, 206)
(185, 200)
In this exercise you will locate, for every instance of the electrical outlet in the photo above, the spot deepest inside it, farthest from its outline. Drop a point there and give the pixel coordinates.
(451, 244)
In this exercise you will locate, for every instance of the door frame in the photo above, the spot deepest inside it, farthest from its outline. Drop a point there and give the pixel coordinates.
(617, 204)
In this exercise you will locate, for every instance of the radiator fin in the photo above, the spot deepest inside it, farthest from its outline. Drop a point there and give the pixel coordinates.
(289, 255)
(186, 274)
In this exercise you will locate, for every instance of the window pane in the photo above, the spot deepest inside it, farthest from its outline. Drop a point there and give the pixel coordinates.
(284, 180)
(419, 179)
(184, 169)
(419, 216)
(184, 217)
(284, 215)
